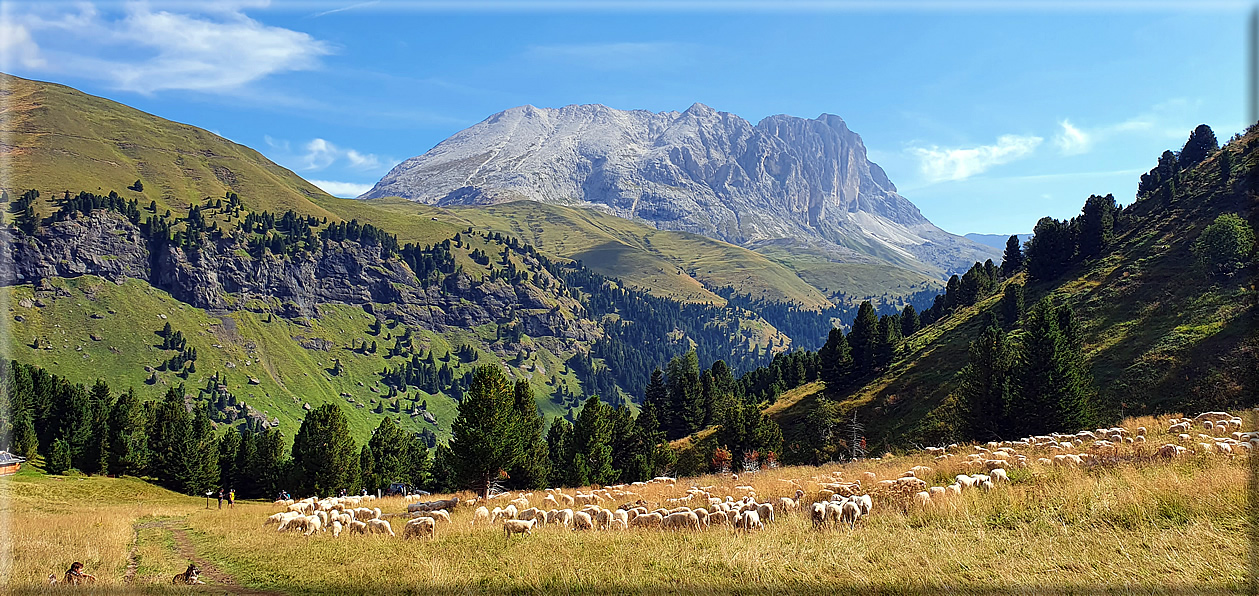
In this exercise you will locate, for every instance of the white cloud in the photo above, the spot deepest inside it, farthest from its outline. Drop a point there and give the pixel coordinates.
(347, 190)
(321, 153)
(17, 47)
(145, 50)
(1071, 140)
(939, 164)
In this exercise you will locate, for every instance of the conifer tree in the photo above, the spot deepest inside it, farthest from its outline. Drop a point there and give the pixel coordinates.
(986, 384)
(533, 468)
(657, 394)
(592, 435)
(1097, 224)
(128, 438)
(1053, 392)
(559, 445)
(1012, 305)
(863, 339)
(228, 449)
(1201, 144)
(484, 437)
(685, 397)
(835, 361)
(909, 321)
(59, 457)
(325, 458)
(1012, 260)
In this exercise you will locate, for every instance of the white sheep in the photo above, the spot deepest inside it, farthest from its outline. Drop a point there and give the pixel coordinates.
(482, 515)
(518, 526)
(357, 527)
(420, 527)
(999, 475)
(379, 526)
(336, 529)
(582, 521)
(849, 513)
(748, 521)
(648, 520)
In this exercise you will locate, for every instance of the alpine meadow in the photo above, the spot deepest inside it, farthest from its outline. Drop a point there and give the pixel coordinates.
(596, 349)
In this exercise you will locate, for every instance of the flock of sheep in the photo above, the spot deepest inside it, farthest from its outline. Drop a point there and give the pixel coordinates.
(831, 501)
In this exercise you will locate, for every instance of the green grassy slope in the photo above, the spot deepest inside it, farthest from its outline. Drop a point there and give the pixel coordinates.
(858, 280)
(57, 138)
(1159, 335)
(671, 264)
(242, 345)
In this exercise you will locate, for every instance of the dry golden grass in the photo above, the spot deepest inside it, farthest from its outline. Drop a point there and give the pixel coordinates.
(1137, 525)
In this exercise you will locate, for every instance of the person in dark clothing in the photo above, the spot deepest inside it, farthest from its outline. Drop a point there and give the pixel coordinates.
(75, 575)
(220, 498)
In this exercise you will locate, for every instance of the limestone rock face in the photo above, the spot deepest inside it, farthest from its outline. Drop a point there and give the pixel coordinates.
(701, 171)
(220, 276)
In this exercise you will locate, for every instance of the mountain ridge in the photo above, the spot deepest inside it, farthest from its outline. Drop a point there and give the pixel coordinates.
(700, 170)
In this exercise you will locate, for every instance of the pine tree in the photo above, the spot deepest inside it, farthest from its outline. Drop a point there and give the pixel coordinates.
(1012, 261)
(389, 450)
(1097, 224)
(889, 337)
(986, 384)
(59, 457)
(1201, 144)
(657, 394)
(128, 438)
(1051, 249)
(909, 321)
(863, 339)
(325, 458)
(685, 396)
(592, 436)
(533, 469)
(1053, 392)
(835, 361)
(483, 438)
(1012, 305)
(559, 444)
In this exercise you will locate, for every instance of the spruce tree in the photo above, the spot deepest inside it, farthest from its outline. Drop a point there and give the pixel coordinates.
(59, 457)
(1053, 392)
(128, 436)
(1012, 260)
(685, 397)
(889, 337)
(325, 458)
(484, 437)
(1012, 305)
(986, 385)
(1201, 144)
(389, 450)
(559, 444)
(657, 394)
(864, 339)
(1097, 224)
(592, 436)
(835, 361)
(909, 321)
(228, 449)
(533, 469)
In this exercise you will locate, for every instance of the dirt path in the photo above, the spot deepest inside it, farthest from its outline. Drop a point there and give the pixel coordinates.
(215, 578)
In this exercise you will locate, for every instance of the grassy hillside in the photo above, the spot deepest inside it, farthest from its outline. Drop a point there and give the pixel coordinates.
(671, 264)
(1128, 524)
(1159, 334)
(89, 328)
(57, 138)
(856, 280)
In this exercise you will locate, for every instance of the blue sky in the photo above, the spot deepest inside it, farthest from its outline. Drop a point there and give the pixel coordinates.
(985, 117)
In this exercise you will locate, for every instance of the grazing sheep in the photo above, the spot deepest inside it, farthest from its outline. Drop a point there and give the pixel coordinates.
(357, 527)
(748, 521)
(936, 491)
(766, 512)
(850, 512)
(379, 526)
(999, 475)
(648, 520)
(922, 498)
(440, 514)
(955, 489)
(681, 519)
(482, 515)
(602, 519)
(510, 512)
(582, 521)
(336, 529)
(279, 518)
(518, 526)
(420, 527)
(313, 524)
(817, 514)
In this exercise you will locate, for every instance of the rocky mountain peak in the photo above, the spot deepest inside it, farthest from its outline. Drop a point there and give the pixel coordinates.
(700, 170)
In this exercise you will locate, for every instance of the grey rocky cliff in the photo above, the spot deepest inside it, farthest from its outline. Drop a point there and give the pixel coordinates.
(217, 277)
(701, 171)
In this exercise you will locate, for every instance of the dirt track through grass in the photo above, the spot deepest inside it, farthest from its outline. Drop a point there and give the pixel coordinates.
(183, 547)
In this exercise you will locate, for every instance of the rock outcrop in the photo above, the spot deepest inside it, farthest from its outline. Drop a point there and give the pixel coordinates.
(220, 276)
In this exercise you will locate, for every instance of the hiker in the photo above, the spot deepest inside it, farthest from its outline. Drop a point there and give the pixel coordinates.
(231, 498)
(220, 498)
(75, 575)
